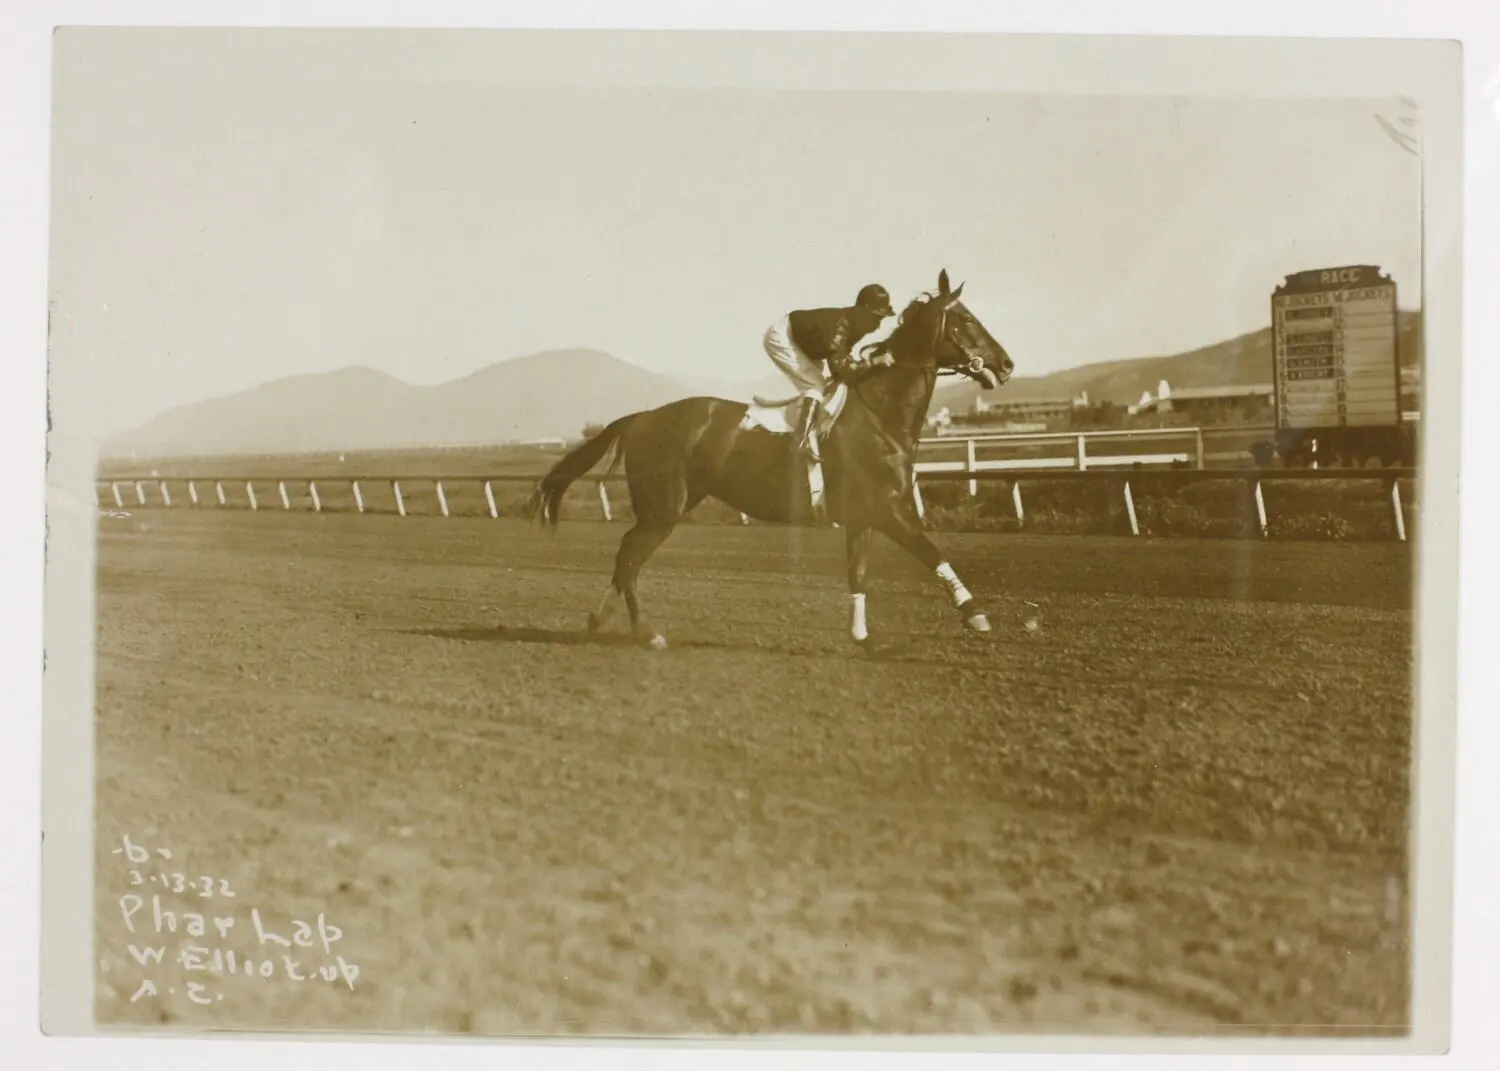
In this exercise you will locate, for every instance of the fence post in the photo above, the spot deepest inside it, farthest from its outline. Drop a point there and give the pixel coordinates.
(166, 496)
(250, 490)
(916, 494)
(1083, 457)
(1202, 454)
(312, 489)
(286, 502)
(115, 490)
(400, 502)
(442, 498)
(971, 465)
(744, 518)
(193, 491)
(1260, 510)
(604, 501)
(219, 490)
(1135, 528)
(489, 498)
(140, 493)
(359, 498)
(1397, 510)
(1015, 497)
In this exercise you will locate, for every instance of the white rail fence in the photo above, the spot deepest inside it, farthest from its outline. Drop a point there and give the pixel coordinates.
(1076, 458)
(1254, 482)
(123, 491)
(1047, 450)
(1184, 454)
(1218, 446)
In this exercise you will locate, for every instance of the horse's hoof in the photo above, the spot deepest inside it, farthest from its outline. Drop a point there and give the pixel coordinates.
(657, 642)
(974, 618)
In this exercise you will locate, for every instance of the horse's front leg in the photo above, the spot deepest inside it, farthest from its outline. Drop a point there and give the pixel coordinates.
(857, 536)
(904, 529)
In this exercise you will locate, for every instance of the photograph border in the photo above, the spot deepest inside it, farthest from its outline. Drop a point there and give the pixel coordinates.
(1434, 80)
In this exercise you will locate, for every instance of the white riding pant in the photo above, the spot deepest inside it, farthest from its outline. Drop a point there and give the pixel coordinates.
(806, 374)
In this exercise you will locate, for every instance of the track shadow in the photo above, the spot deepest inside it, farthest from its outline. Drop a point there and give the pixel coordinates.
(885, 649)
(560, 637)
(505, 634)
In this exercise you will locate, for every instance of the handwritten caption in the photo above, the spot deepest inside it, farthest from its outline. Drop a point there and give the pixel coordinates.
(235, 943)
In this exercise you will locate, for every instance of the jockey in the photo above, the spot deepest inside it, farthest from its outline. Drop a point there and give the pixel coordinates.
(801, 342)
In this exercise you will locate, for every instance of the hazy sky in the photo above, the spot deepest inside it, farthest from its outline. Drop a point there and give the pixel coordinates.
(238, 211)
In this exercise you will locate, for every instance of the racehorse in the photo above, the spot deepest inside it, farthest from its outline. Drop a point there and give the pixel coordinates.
(680, 453)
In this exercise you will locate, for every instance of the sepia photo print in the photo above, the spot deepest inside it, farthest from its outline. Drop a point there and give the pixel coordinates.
(707, 535)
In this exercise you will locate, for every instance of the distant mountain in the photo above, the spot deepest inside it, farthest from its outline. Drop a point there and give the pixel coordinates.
(1238, 362)
(541, 396)
(554, 394)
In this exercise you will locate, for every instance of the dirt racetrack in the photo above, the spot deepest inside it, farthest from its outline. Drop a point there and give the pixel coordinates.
(1169, 793)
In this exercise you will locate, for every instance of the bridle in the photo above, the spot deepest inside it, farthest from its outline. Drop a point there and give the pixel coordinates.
(972, 366)
(975, 363)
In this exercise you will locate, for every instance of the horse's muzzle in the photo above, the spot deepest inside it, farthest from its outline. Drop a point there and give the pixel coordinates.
(980, 371)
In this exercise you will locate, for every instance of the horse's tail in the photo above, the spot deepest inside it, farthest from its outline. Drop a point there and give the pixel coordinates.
(546, 500)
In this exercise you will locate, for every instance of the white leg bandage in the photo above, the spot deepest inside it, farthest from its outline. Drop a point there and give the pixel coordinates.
(857, 627)
(955, 585)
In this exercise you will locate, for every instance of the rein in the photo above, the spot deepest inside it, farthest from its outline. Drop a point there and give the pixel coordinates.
(930, 371)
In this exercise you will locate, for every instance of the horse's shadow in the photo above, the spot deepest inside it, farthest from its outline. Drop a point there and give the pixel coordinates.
(561, 637)
(889, 650)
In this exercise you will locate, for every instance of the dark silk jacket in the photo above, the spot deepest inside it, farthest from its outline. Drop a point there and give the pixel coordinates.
(830, 334)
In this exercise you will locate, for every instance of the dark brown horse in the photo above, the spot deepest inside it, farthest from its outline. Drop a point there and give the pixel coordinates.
(683, 452)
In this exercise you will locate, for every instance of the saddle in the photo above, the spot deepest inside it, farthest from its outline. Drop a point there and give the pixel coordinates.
(771, 415)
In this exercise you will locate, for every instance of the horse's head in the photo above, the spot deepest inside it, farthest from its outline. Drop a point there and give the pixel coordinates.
(938, 331)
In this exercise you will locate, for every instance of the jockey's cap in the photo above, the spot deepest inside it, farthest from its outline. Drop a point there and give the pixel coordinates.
(875, 298)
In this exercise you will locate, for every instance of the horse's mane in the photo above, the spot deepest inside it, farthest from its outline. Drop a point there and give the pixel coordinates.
(908, 316)
(921, 301)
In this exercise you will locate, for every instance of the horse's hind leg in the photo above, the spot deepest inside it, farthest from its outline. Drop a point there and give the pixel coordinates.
(621, 580)
(657, 515)
(600, 617)
(642, 541)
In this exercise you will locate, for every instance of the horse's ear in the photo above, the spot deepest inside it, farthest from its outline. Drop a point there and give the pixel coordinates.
(943, 282)
(956, 293)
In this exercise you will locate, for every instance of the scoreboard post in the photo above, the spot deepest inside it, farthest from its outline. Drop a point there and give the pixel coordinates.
(1334, 339)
